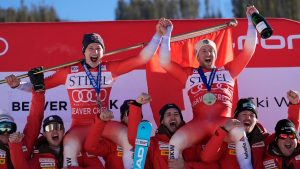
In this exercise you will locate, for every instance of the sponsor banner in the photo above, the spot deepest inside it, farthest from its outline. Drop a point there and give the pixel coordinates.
(57, 102)
(272, 71)
(268, 88)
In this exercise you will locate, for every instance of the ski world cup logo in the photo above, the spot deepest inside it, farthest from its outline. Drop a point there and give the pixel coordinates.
(3, 46)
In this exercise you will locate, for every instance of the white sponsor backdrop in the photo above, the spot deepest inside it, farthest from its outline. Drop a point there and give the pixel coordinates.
(16, 102)
(268, 87)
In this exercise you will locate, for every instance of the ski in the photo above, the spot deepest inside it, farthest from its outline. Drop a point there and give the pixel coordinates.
(142, 143)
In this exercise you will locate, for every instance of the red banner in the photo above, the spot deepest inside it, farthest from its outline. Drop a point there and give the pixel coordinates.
(27, 45)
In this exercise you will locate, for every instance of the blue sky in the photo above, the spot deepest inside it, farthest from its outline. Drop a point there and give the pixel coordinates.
(96, 10)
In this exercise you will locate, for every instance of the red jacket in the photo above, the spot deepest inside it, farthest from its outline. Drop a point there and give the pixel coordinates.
(31, 131)
(20, 154)
(274, 159)
(224, 153)
(95, 144)
(158, 152)
(112, 153)
(5, 160)
(43, 157)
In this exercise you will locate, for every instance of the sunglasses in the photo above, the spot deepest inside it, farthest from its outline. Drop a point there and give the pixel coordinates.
(7, 127)
(285, 136)
(54, 126)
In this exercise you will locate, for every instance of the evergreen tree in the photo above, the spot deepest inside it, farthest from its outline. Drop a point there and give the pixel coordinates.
(154, 9)
(24, 14)
(275, 8)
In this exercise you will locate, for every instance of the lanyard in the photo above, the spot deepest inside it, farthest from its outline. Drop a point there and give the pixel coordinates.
(95, 83)
(208, 83)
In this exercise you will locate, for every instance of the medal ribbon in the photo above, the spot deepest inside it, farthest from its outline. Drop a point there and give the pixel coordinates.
(204, 79)
(95, 83)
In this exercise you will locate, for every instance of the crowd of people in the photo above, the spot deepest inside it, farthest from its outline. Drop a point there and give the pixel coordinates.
(213, 139)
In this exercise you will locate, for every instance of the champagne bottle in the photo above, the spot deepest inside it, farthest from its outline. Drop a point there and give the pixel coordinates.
(261, 25)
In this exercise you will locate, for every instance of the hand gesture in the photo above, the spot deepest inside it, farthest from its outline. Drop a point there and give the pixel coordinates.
(106, 115)
(12, 81)
(37, 80)
(143, 98)
(293, 96)
(250, 10)
(16, 137)
(231, 123)
(163, 26)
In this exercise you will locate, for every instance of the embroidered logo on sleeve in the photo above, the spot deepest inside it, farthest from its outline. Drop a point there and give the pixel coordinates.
(119, 151)
(2, 157)
(163, 148)
(259, 144)
(269, 164)
(47, 163)
(74, 69)
(231, 149)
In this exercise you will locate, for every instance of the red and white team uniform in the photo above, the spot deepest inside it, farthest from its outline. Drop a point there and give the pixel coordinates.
(97, 145)
(31, 131)
(157, 156)
(23, 155)
(46, 158)
(81, 93)
(206, 118)
(216, 150)
(222, 88)
(111, 152)
(275, 160)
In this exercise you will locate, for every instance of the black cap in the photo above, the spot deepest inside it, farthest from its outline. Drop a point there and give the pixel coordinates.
(163, 110)
(91, 38)
(125, 107)
(245, 104)
(285, 126)
(52, 119)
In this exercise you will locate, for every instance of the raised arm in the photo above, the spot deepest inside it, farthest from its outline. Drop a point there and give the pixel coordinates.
(173, 68)
(241, 60)
(135, 115)
(126, 65)
(294, 107)
(36, 114)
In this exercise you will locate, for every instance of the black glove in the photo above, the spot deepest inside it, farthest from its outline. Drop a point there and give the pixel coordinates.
(37, 80)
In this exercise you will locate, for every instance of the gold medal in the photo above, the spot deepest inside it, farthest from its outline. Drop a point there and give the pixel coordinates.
(209, 98)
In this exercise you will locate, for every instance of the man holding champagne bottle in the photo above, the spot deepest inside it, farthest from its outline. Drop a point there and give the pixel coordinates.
(209, 109)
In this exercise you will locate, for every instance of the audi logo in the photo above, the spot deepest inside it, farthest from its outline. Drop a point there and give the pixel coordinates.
(5, 46)
(202, 87)
(87, 95)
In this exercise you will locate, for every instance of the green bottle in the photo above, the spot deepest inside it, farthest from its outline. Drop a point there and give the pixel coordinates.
(261, 25)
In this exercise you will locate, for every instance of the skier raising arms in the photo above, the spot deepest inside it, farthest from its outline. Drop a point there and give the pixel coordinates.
(89, 84)
(211, 96)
